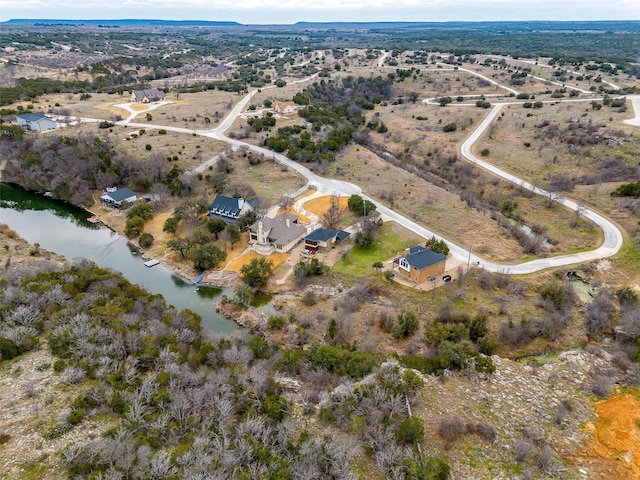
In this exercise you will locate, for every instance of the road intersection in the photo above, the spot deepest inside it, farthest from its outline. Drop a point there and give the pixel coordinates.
(613, 237)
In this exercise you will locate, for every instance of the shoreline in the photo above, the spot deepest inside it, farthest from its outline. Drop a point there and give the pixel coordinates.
(245, 317)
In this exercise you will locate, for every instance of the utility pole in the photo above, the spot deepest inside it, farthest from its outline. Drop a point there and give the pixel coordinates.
(469, 261)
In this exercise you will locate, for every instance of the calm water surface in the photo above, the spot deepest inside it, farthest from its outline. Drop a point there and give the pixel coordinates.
(63, 229)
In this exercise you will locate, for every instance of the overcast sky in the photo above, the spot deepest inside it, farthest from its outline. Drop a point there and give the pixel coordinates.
(292, 11)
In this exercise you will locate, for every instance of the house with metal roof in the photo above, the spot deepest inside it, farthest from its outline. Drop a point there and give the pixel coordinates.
(323, 239)
(279, 234)
(36, 122)
(229, 209)
(118, 197)
(418, 264)
(147, 96)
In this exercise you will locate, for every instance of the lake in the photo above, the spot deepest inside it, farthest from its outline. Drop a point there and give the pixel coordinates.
(64, 229)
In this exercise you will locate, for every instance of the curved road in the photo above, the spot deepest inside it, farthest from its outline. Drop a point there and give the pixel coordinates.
(613, 237)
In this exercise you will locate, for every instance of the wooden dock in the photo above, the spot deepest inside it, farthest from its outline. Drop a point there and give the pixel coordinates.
(151, 263)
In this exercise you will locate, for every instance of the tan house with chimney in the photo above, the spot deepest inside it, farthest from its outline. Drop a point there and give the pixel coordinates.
(279, 234)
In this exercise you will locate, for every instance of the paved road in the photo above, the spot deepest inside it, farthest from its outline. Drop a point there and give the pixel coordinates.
(613, 237)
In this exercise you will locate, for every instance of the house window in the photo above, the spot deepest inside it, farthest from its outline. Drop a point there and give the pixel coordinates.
(404, 264)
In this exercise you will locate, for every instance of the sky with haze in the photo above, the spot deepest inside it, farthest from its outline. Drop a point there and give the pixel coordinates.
(292, 11)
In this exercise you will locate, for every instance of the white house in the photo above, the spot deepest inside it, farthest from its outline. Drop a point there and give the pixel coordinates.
(36, 122)
(118, 198)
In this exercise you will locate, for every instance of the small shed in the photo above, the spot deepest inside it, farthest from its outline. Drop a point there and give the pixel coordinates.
(36, 122)
(118, 198)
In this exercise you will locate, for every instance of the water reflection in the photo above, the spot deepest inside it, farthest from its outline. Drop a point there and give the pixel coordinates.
(63, 229)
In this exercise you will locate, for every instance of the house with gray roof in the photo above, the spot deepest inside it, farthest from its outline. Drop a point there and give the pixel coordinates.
(322, 239)
(147, 96)
(279, 234)
(418, 264)
(229, 209)
(36, 122)
(118, 197)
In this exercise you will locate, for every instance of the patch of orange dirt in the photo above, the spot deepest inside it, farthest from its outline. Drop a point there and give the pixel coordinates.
(616, 437)
(320, 205)
(237, 263)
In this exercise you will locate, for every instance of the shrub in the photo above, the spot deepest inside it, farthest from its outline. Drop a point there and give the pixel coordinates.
(8, 349)
(524, 450)
(309, 298)
(450, 127)
(557, 294)
(142, 210)
(420, 466)
(147, 146)
(276, 322)
(162, 131)
(485, 152)
(59, 365)
(57, 430)
(438, 246)
(410, 431)
(134, 226)
(407, 325)
(207, 256)
(451, 427)
(601, 385)
(486, 430)
(146, 240)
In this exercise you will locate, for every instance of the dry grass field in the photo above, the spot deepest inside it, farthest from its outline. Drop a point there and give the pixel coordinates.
(320, 205)
(239, 261)
(270, 180)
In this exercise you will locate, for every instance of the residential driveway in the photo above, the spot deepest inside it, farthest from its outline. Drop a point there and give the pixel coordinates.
(613, 237)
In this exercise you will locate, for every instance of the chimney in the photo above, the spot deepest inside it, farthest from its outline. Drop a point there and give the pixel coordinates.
(288, 222)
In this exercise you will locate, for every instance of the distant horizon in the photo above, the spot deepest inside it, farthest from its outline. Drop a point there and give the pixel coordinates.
(290, 12)
(318, 22)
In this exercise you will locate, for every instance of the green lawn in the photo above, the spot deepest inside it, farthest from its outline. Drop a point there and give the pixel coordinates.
(390, 241)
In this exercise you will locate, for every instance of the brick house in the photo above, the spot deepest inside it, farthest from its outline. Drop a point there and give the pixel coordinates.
(419, 263)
